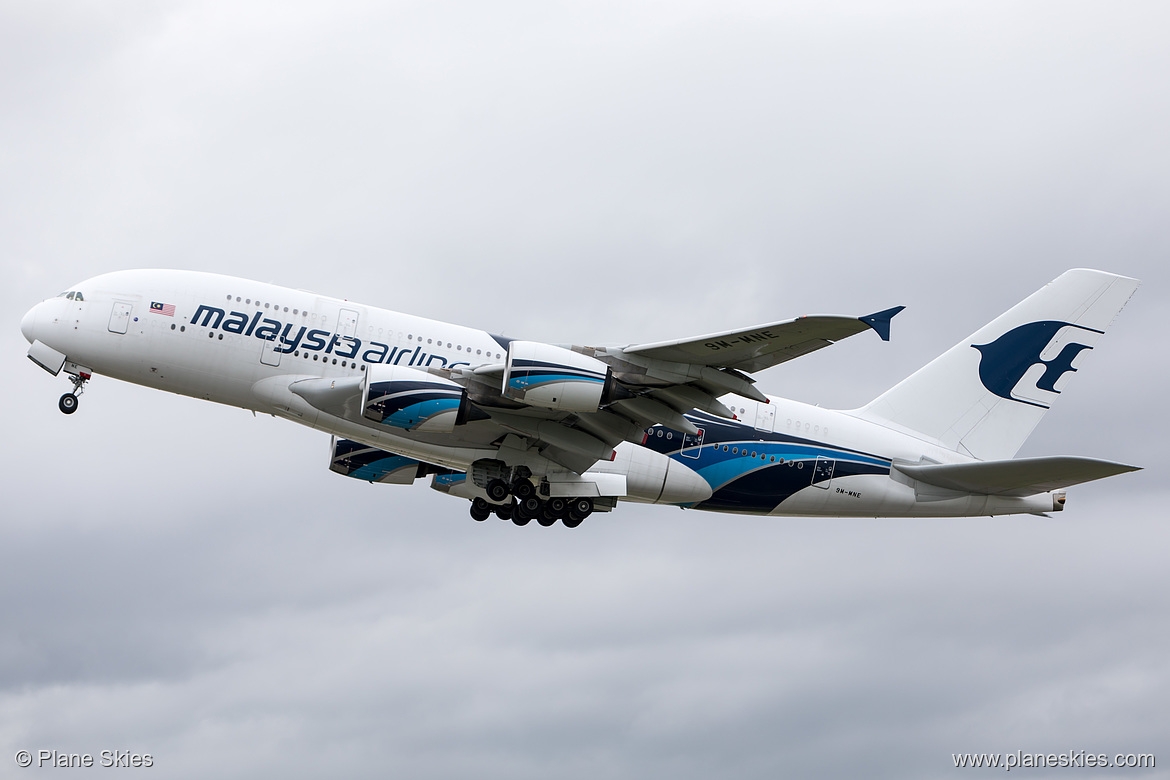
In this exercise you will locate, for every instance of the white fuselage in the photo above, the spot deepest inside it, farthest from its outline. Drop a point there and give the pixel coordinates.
(242, 343)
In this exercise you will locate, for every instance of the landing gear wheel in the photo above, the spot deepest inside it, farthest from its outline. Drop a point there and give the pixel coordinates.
(579, 509)
(504, 511)
(530, 507)
(558, 506)
(480, 510)
(68, 402)
(497, 490)
(520, 519)
(522, 489)
(546, 517)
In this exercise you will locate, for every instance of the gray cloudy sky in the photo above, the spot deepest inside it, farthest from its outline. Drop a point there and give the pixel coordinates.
(190, 581)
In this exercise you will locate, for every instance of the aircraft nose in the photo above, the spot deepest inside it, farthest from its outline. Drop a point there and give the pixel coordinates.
(28, 325)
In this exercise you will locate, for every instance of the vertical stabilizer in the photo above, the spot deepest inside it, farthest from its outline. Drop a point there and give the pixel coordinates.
(985, 395)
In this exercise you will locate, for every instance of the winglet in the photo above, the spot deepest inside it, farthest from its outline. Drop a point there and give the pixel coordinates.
(880, 321)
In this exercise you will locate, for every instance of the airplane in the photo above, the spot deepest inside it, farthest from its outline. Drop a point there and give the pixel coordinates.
(526, 430)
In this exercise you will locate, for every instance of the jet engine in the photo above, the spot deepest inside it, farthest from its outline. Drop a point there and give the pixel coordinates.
(353, 459)
(557, 378)
(405, 397)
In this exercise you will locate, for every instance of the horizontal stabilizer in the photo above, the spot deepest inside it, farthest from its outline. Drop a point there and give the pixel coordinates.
(1015, 477)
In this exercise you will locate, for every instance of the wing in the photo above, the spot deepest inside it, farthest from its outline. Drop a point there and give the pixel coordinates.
(764, 346)
(575, 404)
(572, 405)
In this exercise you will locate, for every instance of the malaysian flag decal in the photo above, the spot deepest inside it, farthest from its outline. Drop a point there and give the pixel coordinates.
(163, 308)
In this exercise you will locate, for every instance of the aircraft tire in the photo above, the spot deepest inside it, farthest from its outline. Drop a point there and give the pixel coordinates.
(519, 519)
(522, 489)
(558, 506)
(480, 510)
(505, 511)
(530, 507)
(546, 517)
(68, 403)
(497, 490)
(580, 508)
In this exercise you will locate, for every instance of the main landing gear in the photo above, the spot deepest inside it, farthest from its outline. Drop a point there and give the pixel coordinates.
(68, 402)
(525, 506)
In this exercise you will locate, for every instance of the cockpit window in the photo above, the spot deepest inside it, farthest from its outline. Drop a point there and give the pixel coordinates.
(77, 296)
(72, 295)
(65, 295)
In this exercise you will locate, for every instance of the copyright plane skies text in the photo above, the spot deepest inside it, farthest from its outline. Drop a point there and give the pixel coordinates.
(528, 430)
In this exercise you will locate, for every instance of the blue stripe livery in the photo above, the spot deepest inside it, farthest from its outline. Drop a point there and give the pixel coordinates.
(415, 414)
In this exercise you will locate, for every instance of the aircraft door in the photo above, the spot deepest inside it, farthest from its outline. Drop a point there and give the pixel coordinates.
(765, 417)
(270, 351)
(823, 472)
(692, 445)
(120, 317)
(347, 323)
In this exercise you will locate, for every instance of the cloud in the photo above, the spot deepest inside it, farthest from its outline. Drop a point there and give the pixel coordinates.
(190, 581)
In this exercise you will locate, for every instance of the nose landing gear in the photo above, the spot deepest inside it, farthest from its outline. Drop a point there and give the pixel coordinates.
(68, 402)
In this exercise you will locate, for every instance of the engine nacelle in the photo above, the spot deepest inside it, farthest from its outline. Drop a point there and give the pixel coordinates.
(404, 397)
(556, 378)
(357, 460)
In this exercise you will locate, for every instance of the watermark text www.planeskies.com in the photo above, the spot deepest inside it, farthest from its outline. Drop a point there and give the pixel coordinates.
(1071, 759)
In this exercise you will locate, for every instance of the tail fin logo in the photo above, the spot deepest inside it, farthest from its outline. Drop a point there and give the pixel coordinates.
(1005, 361)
